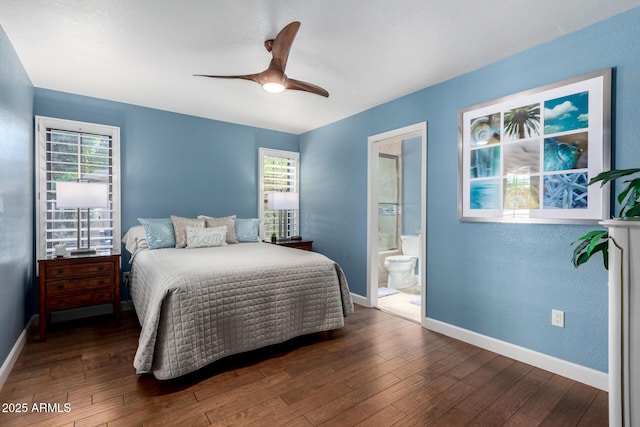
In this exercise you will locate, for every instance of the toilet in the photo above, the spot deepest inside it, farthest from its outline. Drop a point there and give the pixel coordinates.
(401, 268)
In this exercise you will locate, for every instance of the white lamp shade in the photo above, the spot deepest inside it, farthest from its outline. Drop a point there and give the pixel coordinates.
(278, 200)
(79, 195)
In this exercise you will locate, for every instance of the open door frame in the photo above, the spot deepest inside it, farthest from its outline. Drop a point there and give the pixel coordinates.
(411, 131)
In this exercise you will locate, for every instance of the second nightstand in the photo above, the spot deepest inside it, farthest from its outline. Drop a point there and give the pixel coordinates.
(70, 282)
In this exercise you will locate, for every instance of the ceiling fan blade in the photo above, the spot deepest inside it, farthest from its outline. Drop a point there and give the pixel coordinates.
(282, 45)
(274, 79)
(252, 77)
(307, 87)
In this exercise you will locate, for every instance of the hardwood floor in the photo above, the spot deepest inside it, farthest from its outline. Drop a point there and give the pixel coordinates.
(379, 370)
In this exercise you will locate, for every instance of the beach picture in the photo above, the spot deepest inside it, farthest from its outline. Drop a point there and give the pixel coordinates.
(485, 162)
(522, 157)
(528, 157)
(485, 130)
(566, 191)
(485, 194)
(566, 152)
(522, 122)
(566, 113)
(521, 192)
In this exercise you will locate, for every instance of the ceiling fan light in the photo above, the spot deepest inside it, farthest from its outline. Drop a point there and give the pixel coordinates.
(273, 87)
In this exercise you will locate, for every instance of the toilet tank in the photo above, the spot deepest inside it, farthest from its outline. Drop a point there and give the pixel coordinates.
(411, 245)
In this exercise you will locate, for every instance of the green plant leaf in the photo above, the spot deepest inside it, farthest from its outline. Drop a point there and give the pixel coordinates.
(590, 244)
(630, 193)
(596, 241)
(612, 175)
(595, 245)
(633, 211)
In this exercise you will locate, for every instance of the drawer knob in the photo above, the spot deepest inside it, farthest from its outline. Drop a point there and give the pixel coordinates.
(60, 300)
(101, 268)
(60, 271)
(61, 286)
(101, 282)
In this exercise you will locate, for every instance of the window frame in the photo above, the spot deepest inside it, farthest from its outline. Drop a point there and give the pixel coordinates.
(42, 124)
(270, 152)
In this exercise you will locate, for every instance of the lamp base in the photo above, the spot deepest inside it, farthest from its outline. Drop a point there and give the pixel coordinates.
(83, 251)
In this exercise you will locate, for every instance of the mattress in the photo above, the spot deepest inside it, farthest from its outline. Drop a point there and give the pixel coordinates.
(196, 306)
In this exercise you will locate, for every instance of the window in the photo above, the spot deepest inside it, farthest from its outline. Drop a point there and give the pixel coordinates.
(279, 171)
(74, 151)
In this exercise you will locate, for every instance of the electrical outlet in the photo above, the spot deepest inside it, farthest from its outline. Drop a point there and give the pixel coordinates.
(557, 318)
(126, 276)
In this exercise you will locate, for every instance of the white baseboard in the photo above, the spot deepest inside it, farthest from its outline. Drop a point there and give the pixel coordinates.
(11, 359)
(561, 367)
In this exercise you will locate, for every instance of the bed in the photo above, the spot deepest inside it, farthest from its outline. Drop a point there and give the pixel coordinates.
(196, 306)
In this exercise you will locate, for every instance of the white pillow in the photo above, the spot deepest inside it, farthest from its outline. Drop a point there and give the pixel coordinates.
(227, 220)
(179, 224)
(206, 237)
(135, 239)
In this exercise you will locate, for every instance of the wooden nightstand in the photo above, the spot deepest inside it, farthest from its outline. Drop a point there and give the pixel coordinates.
(70, 282)
(306, 245)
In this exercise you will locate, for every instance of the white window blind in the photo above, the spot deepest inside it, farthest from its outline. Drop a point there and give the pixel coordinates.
(73, 151)
(279, 171)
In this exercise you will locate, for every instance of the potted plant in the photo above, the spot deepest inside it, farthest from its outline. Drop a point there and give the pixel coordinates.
(597, 241)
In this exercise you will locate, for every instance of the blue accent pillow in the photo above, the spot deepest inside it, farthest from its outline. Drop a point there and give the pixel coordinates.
(159, 232)
(247, 229)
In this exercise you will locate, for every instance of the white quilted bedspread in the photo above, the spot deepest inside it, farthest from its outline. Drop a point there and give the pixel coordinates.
(196, 306)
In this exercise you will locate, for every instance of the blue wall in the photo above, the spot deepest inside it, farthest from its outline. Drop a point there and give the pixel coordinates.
(500, 280)
(16, 196)
(173, 163)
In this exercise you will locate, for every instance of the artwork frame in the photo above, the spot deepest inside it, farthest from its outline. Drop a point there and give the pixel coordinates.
(528, 157)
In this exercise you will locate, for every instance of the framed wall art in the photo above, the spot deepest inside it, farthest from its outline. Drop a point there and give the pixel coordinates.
(528, 157)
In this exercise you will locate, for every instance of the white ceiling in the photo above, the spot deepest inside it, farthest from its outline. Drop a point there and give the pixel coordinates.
(364, 52)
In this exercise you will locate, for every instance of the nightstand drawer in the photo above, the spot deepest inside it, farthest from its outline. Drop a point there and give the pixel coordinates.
(68, 300)
(79, 284)
(89, 269)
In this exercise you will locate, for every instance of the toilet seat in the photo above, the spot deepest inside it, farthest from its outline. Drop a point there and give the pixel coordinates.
(398, 258)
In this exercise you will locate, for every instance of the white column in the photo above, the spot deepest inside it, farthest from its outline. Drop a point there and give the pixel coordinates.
(624, 322)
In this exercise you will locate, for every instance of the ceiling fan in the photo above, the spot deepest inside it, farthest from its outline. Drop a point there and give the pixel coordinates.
(273, 79)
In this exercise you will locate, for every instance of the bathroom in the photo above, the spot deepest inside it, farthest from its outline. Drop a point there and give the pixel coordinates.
(399, 223)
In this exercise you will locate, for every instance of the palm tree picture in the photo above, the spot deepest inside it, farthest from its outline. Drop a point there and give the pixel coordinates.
(522, 122)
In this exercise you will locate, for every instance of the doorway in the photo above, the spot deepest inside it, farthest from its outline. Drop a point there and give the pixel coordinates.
(397, 214)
